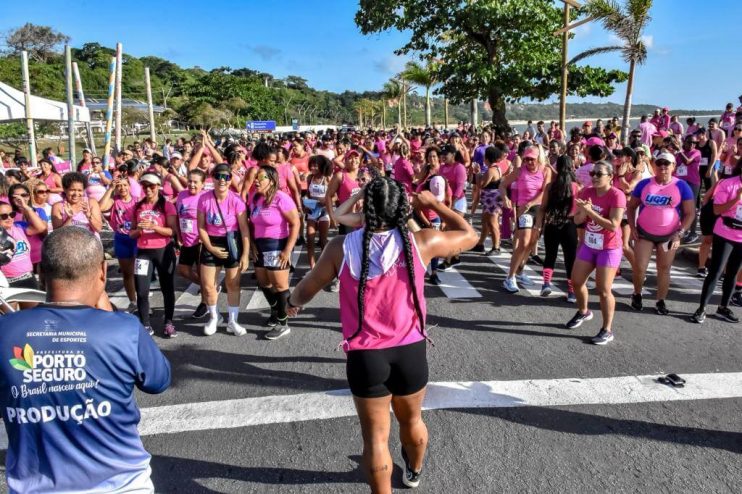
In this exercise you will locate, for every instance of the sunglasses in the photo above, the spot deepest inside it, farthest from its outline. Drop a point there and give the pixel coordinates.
(146, 185)
(41, 191)
(663, 164)
(260, 178)
(5, 216)
(598, 174)
(21, 195)
(737, 129)
(223, 176)
(97, 162)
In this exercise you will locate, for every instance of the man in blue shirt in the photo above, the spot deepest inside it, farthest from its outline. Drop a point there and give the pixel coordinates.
(67, 377)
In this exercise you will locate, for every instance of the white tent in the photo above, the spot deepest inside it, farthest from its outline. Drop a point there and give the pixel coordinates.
(12, 107)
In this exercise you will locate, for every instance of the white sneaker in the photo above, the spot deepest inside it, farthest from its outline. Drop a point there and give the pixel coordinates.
(210, 327)
(236, 329)
(524, 279)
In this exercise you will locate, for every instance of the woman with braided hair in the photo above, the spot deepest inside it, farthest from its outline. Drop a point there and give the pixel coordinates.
(381, 268)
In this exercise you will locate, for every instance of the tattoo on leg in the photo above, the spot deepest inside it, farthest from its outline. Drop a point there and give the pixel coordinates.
(380, 468)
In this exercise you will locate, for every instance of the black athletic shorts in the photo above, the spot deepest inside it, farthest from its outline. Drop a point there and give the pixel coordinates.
(208, 259)
(268, 251)
(708, 218)
(189, 255)
(398, 371)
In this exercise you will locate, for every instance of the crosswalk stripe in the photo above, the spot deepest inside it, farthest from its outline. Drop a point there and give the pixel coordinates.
(257, 299)
(190, 298)
(455, 286)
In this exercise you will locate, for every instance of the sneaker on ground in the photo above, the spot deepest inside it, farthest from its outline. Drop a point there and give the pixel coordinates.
(571, 298)
(234, 328)
(494, 252)
(661, 308)
(536, 259)
(444, 266)
(272, 321)
(200, 311)
(690, 238)
(410, 478)
(578, 319)
(726, 314)
(169, 330)
(335, 286)
(702, 273)
(636, 301)
(546, 289)
(478, 248)
(278, 331)
(524, 279)
(698, 316)
(455, 261)
(736, 299)
(511, 285)
(434, 279)
(131, 308)
(210, 327)
(602, 338)
(150, 330)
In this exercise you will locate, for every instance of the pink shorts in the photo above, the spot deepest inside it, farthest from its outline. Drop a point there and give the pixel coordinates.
(607, 258)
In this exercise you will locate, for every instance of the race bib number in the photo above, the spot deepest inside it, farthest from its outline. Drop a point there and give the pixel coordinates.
(738, 215)
(704, 162)
(141, 267)
(682, 171)
(186, 225)
(21, 248)
(594, 240)
(525, 221)
(353, 192)
(727, 170)
(271, 258)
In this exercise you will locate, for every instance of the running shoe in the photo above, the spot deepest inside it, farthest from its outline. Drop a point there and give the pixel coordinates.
(494, 252)
(571, 298)
(169, 330)
(736, 299)
(335, 286)
(200, 311)
(272, 321)
(444, 266)
(578, 319)
(636, 301)
(149, 330)
(661, 308)
(434, 279)
(602, 338)
(234, 328)
(536, 259)
(282, 329)
(690, 238)
(478, 248)
(210, 327)
(698, 316)
(131, 308)
(455, 261)
(546, 289)
(511, 285)
(726, 314)
(524, 279)
(410, 478)
(702, 273)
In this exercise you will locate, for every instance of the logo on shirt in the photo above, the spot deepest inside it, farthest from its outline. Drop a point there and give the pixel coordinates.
(214, 219)
(48, 367)
(657, 200)
(22, 358)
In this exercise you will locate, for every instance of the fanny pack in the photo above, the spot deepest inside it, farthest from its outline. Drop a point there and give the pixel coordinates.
(232, 249)
(731, 223)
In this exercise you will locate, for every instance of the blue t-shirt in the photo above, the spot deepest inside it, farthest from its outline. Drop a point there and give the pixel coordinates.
(67, 378)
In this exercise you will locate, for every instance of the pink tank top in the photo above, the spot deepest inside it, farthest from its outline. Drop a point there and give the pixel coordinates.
(390, 318)
(79, 219)
(20, 264)
(284, 170)
(122, 215)
(347, 188)
(528, 185)
(53, 197)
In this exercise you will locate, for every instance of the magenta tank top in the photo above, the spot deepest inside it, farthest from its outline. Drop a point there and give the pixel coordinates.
(390, 319)
(528, 185)
(347, 188)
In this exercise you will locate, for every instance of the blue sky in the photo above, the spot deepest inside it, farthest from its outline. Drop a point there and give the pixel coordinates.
(694, 57)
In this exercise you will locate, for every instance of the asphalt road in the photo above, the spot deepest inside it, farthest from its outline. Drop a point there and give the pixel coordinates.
(653, 445)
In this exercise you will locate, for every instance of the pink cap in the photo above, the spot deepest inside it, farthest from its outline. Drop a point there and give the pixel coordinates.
(351, 153)
(664, 108)
(595, 141)
(661, 133)
(531, 152)
(587, 123)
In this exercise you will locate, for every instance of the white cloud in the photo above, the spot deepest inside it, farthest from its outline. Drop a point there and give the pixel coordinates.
(648, 40)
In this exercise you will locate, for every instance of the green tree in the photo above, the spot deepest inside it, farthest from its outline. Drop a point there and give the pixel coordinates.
(627, 22)
(41, 42)
(500, 51)
(425, 76)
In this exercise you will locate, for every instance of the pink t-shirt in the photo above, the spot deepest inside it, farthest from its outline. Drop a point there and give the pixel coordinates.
(122, 215)
(268, 222)
(403, 173)
(135, 189)
(597, 237)
(186, 206)
(455, 175)
(661, 204)
(726, 190)
(149, 239)
(231, 207)
(284, 171)
(690, 172)
(20, 263)
(583, 174)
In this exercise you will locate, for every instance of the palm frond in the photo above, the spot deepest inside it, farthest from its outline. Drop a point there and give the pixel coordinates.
(592, 52)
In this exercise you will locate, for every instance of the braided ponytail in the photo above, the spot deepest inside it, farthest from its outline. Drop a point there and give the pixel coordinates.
(403, 214)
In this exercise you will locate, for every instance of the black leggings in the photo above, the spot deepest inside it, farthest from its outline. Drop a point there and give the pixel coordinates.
(723, 252)
(564, 235)
(163, 260)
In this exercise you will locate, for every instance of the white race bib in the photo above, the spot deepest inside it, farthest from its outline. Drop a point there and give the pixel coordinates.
(727, 170)
(141, 267)
(704, 162)
(682, 171)
(594, 240)
(525, 221)
(186, 225)
(738, 214)
(270, 258)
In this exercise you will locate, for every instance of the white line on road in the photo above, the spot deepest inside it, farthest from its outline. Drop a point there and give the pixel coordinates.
(454, 285)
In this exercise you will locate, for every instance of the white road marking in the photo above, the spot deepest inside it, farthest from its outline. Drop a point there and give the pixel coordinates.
(454, 285)
(502, 261)
(257, 299)
(190, 298)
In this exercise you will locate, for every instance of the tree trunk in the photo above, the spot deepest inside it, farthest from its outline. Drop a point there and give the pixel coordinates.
(404, 104)
(627, 104)
(399, 113)
(445, 113)
(383, 114)
(499, 119)
(474, 114)
(428, 112)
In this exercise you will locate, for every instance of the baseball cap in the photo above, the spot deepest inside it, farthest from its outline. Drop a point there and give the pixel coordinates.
(587, 123)
(660, 133)
(531, 152)
(352, 152)
(176, 155)
(664, 108)
(666, 157)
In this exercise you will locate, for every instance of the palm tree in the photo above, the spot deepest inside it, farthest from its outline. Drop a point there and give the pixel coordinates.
(424, 76)
(627, 22)
(393, 94)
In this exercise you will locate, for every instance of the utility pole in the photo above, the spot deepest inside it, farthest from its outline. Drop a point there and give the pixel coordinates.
(27, 104)
(70, 103)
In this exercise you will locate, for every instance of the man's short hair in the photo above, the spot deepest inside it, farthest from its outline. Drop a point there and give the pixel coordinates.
(71, 253)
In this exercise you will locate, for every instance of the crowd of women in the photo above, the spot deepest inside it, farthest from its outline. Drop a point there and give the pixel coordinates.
(193, 208)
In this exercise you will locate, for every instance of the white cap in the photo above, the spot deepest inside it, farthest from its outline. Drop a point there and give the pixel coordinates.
(666, 156)
(176, 155)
